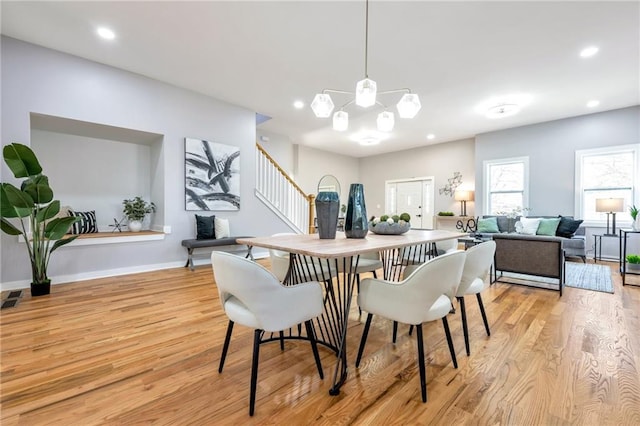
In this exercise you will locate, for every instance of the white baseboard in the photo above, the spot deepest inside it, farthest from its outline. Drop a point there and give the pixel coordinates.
(63, 279)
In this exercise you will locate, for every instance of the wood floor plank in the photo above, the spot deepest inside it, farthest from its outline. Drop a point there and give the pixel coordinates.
(144, 348)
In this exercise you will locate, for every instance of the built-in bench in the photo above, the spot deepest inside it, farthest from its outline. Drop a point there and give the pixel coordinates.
(215, 243)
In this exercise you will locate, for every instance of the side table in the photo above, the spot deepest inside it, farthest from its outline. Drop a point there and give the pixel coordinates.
(623, 235)
(597, 246)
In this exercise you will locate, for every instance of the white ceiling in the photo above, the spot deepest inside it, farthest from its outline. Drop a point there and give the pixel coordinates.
(455, 55)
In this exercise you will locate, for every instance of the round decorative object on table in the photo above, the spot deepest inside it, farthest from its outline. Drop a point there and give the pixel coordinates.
(385, 228)
(356, 224)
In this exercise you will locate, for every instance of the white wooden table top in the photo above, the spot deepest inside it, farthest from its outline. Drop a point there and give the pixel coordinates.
(341, 246)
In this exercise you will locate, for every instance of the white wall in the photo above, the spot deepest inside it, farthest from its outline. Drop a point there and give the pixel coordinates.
(112, 171)
(43, 81)
(313, 163)
(439, 161)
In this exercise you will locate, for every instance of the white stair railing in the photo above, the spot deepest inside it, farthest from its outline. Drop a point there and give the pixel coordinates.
(281, 194)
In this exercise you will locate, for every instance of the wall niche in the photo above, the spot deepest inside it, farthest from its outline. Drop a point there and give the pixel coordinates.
(94, 166)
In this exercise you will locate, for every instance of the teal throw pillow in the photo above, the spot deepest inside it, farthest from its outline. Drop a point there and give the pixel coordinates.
(488, 225)
(548, 227)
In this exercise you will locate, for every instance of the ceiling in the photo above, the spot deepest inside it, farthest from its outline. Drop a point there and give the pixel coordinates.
(455, 55)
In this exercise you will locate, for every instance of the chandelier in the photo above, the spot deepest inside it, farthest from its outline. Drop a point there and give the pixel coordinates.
(366, 95)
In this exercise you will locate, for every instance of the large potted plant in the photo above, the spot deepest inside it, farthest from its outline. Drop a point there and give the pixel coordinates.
(135, 210)
(32, 208)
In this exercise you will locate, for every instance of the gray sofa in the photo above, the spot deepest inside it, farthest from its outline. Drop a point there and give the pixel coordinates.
(575, 246)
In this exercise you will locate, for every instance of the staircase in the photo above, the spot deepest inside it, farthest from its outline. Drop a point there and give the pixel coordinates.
(282, 195)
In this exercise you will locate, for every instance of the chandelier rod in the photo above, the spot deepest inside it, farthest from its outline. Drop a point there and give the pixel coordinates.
(366, 41)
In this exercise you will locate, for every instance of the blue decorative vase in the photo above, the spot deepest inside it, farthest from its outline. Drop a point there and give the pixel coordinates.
(327, 207)
(356, 223)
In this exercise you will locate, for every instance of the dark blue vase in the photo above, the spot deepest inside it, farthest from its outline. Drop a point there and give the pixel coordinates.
(356, 223)
(327, 207)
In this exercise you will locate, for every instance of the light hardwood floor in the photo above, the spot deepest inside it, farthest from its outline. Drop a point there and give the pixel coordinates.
(145, 348)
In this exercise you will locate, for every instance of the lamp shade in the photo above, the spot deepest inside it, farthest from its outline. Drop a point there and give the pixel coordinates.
(366, 93)
(463, 195)
(385, 121)
(340, 121)
(322, 105)
(609, 205)
(409, 105)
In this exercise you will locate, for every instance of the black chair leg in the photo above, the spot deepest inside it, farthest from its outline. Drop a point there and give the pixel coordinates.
(484, 315)
(410, 330)
(363, 340)
(465, 329)
(423, 373)
(358, 286)
(445, 323)
(314, 347)
(395, 331)
(254, 370)
(282, 340)
(225, 347)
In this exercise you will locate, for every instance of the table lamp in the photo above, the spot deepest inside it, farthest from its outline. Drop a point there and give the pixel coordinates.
(463, 196)
(610, 206)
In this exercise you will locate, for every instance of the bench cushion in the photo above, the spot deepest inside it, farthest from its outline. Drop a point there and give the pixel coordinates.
(212, 242)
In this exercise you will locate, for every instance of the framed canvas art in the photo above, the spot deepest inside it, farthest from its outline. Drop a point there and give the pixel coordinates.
(212, 175)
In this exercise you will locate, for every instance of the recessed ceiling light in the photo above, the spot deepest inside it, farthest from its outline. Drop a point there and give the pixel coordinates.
(106, 33)
(588, 52)
(431, 136)
(502, 110)
(298, 104)
(593, 103)
(369, 140)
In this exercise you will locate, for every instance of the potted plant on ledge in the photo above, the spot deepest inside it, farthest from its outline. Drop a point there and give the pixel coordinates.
(33, 205)
(135, 210)
(633, 262)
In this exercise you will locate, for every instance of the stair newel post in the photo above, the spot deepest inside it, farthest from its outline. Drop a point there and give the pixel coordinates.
(311, 198)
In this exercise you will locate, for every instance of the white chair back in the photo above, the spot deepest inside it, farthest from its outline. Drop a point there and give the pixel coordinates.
(409, 300)
(255, 287)
(279, 260)
(477, 265)
(447, 246)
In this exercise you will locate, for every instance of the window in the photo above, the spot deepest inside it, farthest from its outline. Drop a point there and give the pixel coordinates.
(610, 172)
(506, 185)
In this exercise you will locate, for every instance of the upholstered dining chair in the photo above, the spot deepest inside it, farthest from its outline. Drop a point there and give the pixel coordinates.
(367, 262)
(307, 268)
(252, 296)
(420, 298)
(476, 269)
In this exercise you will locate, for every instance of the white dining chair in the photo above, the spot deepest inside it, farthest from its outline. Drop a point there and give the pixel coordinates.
(420, 298)
(252, 296)
(306, 269)
(476, 269)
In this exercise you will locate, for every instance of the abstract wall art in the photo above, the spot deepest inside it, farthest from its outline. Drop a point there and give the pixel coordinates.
(212, 175)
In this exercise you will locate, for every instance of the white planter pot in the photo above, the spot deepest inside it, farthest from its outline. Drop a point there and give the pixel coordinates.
(636, 224)
(135, 225)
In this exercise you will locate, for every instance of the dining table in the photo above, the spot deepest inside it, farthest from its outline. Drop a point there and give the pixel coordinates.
(333, 263)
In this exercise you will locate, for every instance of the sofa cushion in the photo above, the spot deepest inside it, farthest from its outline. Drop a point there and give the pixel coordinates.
(527, 226)
(489, 224)
(548, 226)
(567, 227)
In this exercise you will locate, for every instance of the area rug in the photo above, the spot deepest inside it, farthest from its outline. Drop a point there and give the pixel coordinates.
(578, 275)
(588, 276)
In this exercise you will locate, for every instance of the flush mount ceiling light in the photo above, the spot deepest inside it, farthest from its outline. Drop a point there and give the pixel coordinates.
(503, 106)
(106, 33)
(588, 52)
(366, 95)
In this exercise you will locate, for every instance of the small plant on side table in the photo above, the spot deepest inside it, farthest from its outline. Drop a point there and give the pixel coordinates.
(633, 262)
(135, 210)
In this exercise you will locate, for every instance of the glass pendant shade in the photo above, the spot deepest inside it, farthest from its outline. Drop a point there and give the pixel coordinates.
(366, 93)
(322, 105)
(340, 121)
(385, 121)
(409, 105)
